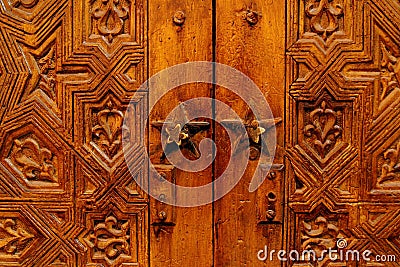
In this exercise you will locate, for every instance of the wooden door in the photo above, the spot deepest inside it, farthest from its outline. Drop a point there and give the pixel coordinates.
(342, 128)
(70, 70)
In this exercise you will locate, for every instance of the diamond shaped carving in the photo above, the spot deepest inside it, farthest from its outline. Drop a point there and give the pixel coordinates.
(36, 159)
(104, 113)
(18, 236)
(323, 126)
(106, 132)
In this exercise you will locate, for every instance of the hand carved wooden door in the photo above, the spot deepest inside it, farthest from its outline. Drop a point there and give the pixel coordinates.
(71, 70)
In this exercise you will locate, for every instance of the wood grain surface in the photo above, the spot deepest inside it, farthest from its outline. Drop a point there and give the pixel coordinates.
(329, 70)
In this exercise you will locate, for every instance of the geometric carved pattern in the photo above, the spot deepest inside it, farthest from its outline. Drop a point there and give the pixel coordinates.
(61, 132)
(324, 35)
(43, 83)
(321, 25)
(350, 132)
(389, 76)
(48, 73)
(382, 67)
(381, 133)
(343, 140)
(104, 113)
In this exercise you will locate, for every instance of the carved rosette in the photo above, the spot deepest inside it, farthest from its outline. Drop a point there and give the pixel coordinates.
(114, 238)
(324, 16)
(109, 239)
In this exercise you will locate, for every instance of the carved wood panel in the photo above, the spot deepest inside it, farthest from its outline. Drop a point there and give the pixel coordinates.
(68, 70)
(342, 124)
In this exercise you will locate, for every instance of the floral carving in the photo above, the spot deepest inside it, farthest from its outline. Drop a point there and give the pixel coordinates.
(36, 163)
(324, 16)
(391, 169)
(12, 240)
(107, 130)
(110, 16)
(390, 72)
(319, 235)
(109, 239)
(47, 72)
(323, 131)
